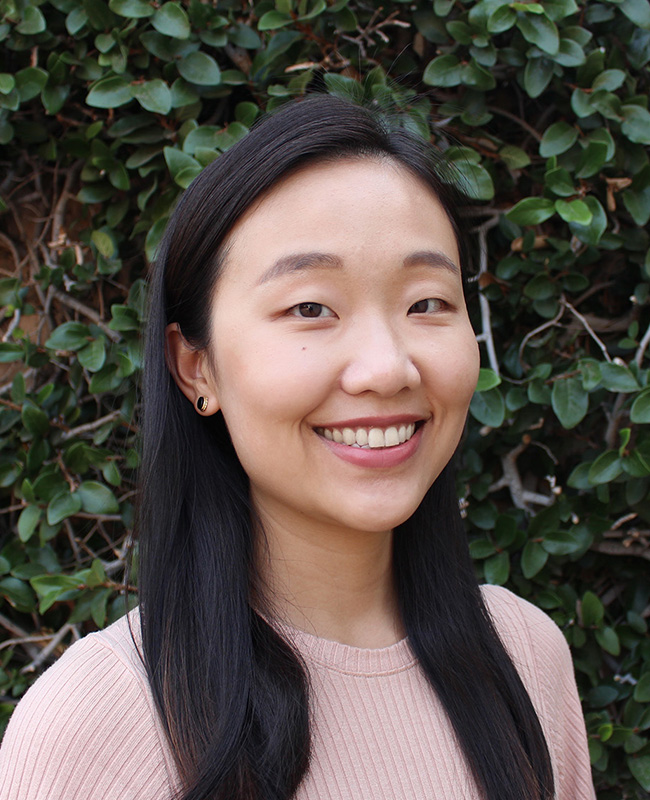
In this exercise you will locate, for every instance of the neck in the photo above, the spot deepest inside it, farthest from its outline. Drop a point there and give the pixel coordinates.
(333, 583)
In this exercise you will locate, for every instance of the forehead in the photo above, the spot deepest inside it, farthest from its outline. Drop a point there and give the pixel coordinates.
(353, 208)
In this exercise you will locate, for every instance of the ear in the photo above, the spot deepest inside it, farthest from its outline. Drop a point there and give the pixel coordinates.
(190, 370)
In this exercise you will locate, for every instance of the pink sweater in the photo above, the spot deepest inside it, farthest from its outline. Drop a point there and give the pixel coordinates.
(88, 729)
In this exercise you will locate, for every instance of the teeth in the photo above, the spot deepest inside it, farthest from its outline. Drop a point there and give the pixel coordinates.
(392, 437)
(369, 438)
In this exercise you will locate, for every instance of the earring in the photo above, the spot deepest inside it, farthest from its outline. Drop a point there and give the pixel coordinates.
(202, 403)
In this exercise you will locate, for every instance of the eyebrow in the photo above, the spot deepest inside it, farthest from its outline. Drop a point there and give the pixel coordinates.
(297, 262)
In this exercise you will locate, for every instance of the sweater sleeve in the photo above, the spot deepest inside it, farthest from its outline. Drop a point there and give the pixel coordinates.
(85, 731)
(543, 659)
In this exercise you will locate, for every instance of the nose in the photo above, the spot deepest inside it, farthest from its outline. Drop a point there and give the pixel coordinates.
(378, 360)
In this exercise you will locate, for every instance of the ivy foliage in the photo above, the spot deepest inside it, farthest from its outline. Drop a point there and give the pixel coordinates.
(109, 108)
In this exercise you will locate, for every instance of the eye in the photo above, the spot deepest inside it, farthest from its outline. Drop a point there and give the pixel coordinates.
(429, 306)
(310, 311)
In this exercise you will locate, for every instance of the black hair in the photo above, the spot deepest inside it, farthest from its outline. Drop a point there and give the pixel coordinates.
(231, 692)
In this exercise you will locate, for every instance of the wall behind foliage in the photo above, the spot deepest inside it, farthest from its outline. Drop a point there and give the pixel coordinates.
(108, 109)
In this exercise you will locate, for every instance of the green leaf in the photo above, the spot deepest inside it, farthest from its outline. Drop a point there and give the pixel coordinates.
(488, 408)
(539, 30)
(502, 19)
(557, 138)
(496, 569)
(533, 559)
(110, 93)
(560, 543)
(609, 79)
(30, 82)
(618, 378)
(514, 157)
(638, 11)
(32, 22)
(443, 71)
(64, 504)
(200, 68)
(95, 498)
(574, 211)
(69, 336)
(50, 588)
(93, 355)
(608, 639)
(154, 95)
(476, 181)
(642, 689)
(569, 54)
(639, 766)
(131, 9)
(537, 76)
(34, 419)
(7, 82)
(29, 518)
(606, 468)
(272, 20)
(569, 401)
(487, 379)
(636, 124)
(592, 159)
(590, 373)
(18, 594)
(591, 233)
(171, 20)
(640, 411)
(531, 211)
(593, 610)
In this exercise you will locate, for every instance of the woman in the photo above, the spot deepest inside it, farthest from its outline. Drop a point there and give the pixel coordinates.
(310, 624)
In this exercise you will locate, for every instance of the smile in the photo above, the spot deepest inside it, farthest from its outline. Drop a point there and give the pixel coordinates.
(369, 438)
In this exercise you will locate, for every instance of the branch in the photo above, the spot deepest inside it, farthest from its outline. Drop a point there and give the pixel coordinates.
(587, 327)
(502, 112)
(90, 426)
(511, 479)
(88, 312)
(643, 345)
(534, 332)
(617, 549)
(486, 323)
(55, 641)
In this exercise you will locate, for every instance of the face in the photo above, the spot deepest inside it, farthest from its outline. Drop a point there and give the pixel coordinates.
(341, 352)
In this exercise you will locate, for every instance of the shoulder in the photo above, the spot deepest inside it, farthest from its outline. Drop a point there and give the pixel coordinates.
(88, 727)
(543, 660)
(532, 639)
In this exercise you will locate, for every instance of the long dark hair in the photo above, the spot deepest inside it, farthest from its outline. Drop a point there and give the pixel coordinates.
(232, 694)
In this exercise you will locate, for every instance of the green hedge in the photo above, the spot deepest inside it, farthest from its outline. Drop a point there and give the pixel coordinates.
(109, 109)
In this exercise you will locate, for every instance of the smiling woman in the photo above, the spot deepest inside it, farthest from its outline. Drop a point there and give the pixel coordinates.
(310, 625)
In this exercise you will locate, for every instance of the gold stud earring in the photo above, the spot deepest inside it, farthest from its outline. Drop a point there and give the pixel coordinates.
(202, 403)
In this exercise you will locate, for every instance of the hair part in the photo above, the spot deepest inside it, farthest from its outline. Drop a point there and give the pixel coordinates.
(231, 692)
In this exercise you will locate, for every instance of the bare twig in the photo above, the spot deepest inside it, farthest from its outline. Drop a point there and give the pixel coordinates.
(521, 498)
(77, 305)
(486, 324)
(587, 327)
(15, 321)
(612, 421)
(539, 329)
(90, 426)
(643, 346)
(618, 549)
(45, 653)
(18, 632)
(503, 113)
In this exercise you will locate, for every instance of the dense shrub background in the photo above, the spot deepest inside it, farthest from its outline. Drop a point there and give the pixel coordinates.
(109, 109)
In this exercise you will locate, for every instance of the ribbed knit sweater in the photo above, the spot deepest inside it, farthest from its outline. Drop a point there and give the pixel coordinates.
(88, 728)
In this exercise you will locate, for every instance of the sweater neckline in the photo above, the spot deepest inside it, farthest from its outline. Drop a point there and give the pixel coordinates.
(347, 659)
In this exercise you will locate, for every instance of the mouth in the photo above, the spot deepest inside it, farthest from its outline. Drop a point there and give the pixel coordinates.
(371, 437)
